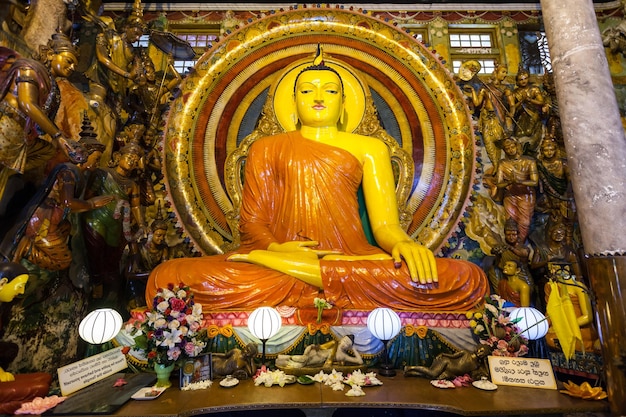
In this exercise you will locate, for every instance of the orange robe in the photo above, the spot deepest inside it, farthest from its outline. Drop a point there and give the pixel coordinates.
(298, 189)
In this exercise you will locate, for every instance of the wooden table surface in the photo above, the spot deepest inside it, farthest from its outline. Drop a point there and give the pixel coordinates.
(396, 392)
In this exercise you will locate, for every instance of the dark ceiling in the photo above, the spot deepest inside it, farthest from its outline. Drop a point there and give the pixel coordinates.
(172, 5)
(460, 3)
(456, 5)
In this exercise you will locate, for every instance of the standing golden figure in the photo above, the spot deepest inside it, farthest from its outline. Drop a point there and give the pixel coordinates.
(28, 136)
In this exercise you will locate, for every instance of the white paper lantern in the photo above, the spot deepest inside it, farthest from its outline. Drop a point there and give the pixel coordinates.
(264, 322)
(384, 323)
(533, 324)
(100, 326)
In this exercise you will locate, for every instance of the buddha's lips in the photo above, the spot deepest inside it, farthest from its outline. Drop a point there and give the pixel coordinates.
(319, 107)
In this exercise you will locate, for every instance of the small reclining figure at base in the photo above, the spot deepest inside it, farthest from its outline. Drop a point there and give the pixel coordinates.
(451, 365)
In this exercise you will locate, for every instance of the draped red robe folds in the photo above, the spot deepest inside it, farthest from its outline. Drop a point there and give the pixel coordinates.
(298, 189)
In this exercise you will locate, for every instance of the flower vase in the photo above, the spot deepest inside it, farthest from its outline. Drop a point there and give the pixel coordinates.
(163, 373)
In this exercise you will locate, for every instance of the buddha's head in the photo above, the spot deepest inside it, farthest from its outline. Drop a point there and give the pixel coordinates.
(500, 71)
(523, 77)
(350, 88)
(482, 351)
(511, 268)
(61, 55)
(159, 232)
(135, 26)
(469, 69)
(319, 96)
(511, 232)
(13, 278)
(548, 148)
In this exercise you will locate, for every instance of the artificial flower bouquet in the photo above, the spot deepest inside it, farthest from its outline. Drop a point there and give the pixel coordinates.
(493, 327)
(171, 329)
(321, 304)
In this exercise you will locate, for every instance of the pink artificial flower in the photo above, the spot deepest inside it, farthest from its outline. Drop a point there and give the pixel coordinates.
(39, 405)
(173, 354)
(138, 315)
(503, 345)
(177, 304)
(120, 382)
(190, 349)
(462, 381)
(194, 326)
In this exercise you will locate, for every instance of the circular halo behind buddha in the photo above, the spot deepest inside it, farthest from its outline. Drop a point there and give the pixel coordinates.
(411, 102)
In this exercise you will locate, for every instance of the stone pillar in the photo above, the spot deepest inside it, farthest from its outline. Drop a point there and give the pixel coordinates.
(44, 18)
(596, 151)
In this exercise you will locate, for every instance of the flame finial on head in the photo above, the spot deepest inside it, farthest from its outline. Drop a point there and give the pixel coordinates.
(319, 57)
(60, 42)
(136, 16)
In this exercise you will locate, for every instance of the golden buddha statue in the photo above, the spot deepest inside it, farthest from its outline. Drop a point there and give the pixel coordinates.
(301, 232)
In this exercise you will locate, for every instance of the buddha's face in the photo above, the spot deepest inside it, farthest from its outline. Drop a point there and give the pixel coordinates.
(63, 64)
(482, 351)
(501, 72)
(13, 288)
(548, 149)
(133, 33)
(557, 234)
(158, 236)
(509, 268)
(345, 343)
(511, 236)
(510, 147)
(319, 99)
(467, 72)
(129, 161)
(522, 80)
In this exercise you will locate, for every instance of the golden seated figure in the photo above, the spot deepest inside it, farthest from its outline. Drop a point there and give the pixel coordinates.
(300, 228)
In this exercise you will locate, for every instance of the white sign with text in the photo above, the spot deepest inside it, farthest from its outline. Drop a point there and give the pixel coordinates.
(85, 372)
(522, 372)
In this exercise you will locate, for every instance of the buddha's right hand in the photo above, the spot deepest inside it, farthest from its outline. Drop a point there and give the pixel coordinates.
(300, 246)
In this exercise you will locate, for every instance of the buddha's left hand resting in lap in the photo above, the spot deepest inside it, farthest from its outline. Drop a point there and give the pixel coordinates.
(301, 232)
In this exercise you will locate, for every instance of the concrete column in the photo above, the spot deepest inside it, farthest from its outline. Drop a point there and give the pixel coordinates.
(596, 151)
(44, 18)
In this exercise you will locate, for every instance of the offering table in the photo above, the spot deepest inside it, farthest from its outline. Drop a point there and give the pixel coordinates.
(396, 392)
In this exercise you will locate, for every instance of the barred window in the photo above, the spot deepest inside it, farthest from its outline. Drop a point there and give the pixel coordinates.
(475, 43)
(486, 65)
(200, 42)
(470, 40)
(534, 51)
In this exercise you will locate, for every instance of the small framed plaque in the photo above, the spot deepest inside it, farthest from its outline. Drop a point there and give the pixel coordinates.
(196, 369)
(522, 372)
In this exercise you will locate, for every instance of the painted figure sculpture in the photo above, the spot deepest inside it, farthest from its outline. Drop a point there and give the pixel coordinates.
(451, 365)
(28, 136)
(236, 362)
(341, 352)
(301, 232)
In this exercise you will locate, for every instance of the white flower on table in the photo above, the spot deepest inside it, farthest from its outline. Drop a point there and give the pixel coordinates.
(277, 377)
(355, 391)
